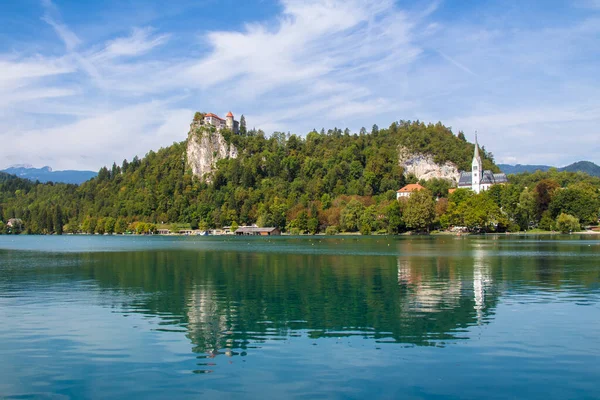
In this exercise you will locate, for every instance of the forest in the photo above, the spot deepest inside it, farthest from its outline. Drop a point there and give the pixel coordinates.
(325, 182)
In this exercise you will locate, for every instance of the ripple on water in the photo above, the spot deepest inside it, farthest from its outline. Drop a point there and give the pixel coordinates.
(427, 317)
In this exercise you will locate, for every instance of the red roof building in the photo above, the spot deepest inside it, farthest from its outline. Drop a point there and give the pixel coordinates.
(407, 190)
(211, 115)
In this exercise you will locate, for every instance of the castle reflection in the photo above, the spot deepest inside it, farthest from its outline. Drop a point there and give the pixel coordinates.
(423, 293)
(433, 300)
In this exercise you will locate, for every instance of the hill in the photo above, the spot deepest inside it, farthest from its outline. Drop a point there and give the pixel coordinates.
(520, 168)
(46, 174)
(272, 180)
(581, 166)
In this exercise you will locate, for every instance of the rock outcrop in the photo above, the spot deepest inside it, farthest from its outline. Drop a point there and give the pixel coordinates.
(206, 146)
(423, 167)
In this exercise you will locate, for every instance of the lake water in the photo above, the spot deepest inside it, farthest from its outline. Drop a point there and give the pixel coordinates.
(316, 317)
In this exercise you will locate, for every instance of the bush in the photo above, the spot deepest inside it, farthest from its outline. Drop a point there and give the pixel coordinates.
(546, 222)
(567, 223)
(331, 230)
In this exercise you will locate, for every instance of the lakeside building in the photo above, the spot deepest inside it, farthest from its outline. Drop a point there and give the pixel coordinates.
(479, 180)
(407, 190)
(255, 231)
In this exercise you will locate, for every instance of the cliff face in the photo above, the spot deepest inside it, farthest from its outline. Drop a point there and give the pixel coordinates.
(423, 166)
(204, 148)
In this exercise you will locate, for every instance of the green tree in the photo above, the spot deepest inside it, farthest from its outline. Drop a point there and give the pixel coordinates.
(395, 224)
(580, 201)
(543, 192)
(419, 210)
(350, 216)
(566, 223)
(438, 187)
(109, 225)
(481, 213)
(120, 226)
(100, 227)
(57, 220)
(243, 129)
(526, 209)
(367, 220)
(313, 225)
(89, 225)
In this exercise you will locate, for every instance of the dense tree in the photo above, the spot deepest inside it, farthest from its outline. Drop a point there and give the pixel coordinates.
(438, 187)
(332, 179)
(581, 201)
(526, 209)
(543, 192)
(350, 216)
(395, 223)
(481, 213)
(419, 210)
(566, 223)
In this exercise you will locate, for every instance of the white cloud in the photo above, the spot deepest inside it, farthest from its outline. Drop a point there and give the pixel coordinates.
(139, 42)
(318, 64)
(69, 38)
(100, 139)
(17, 72)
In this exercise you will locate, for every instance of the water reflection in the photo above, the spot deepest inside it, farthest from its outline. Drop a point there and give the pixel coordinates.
(428, 293)
(209, 326)
(482, 281)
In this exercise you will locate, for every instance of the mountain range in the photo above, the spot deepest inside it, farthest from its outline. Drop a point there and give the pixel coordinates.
(46, 174)
(580, 166)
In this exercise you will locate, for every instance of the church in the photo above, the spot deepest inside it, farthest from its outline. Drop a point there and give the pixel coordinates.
(479, 180)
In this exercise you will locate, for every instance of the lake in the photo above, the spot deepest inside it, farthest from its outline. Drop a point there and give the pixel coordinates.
(492, 317)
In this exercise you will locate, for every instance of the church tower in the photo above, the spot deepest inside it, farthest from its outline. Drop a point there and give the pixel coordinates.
(476, 169)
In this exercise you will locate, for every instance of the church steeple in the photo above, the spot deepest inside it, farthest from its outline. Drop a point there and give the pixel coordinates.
(476, 156)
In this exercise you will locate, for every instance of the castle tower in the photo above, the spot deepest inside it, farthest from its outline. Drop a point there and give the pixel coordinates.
(229, 121)
(476, 169)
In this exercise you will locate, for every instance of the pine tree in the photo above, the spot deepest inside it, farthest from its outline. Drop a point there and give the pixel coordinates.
(243, 125)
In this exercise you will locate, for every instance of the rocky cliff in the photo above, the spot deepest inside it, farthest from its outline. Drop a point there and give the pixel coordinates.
(206, 146)
(423, 167)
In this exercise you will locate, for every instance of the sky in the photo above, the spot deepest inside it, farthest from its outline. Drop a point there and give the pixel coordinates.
(86, 83)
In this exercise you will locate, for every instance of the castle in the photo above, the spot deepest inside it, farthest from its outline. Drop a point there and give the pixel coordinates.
(479, 180)
(228, 123)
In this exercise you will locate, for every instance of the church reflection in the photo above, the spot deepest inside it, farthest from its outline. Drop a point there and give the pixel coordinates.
(230, 303)
(434, 300)
(425, 292)
(444, 284)
(482, 281)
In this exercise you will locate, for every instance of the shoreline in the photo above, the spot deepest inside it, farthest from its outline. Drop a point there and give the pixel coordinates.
(435, 233)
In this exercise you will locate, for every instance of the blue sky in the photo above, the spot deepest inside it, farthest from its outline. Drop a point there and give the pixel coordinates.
(83, 84)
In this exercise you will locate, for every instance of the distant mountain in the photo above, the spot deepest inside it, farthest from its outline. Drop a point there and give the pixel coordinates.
(519, 168)
(580, 166)
(46, 174)
(583, 166)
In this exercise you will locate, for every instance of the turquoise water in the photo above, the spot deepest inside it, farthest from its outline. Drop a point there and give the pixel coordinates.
(316, 317)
